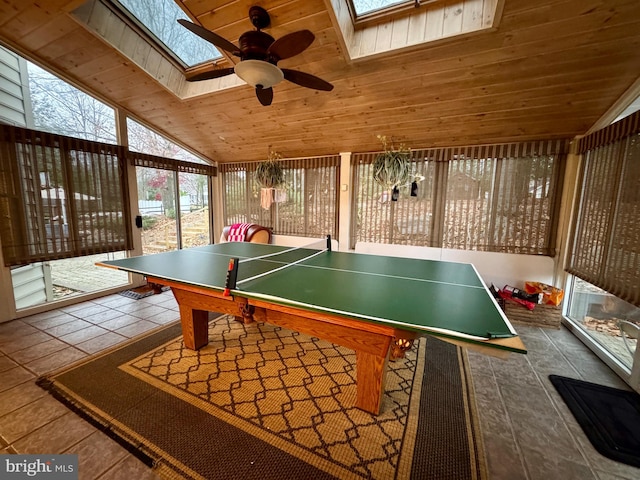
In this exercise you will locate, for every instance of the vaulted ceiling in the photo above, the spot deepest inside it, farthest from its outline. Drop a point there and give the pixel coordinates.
(535, 70)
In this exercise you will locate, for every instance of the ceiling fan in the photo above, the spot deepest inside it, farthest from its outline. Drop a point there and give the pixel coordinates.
(259, 55)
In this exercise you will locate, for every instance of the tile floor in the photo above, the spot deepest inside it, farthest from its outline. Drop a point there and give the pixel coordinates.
(528, 431)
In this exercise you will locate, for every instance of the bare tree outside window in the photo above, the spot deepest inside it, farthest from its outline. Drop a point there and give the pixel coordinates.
(161, 18)
(59, 107)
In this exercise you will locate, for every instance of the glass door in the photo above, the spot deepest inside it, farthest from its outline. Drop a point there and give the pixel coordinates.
(158, 207)
(194, 209)
(612, 325)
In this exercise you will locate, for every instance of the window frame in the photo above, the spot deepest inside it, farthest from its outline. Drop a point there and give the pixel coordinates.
(385, 14)
(130, 19)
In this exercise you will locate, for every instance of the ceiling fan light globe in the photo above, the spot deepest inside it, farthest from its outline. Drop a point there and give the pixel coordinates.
(258, 72)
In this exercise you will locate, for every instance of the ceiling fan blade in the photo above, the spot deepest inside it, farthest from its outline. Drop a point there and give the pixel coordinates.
(220, 72)
(306, 80)
(291, 44)
(265, 95)
(211, 37)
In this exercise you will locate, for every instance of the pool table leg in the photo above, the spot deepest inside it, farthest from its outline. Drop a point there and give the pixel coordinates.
(195, 327)
(371, 370)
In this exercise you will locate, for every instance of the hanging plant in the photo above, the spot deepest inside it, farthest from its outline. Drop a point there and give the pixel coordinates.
(392, 168)
(269, 174)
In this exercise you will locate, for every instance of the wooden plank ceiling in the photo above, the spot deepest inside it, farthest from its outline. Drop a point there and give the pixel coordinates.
(550, 69)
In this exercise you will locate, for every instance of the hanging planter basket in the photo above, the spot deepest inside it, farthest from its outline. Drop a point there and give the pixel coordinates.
(269, 174)
(392, 168)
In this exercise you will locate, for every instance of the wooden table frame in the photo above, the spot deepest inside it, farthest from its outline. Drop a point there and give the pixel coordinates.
(373, 343)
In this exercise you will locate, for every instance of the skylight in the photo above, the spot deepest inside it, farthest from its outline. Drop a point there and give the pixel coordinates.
(363, 7)
(160, 17)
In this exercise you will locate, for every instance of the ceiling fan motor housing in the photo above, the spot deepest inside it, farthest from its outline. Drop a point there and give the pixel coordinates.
(254, 45)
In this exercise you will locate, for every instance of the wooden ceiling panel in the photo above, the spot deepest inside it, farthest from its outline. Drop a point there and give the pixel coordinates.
(550, 69)
(51, 31)
(232, 19)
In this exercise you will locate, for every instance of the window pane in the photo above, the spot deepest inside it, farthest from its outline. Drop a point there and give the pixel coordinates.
(305, 206)
(362, 7)
(406, 221)
(73, 276)
(66, 197)
(42, 282)
(237, 199)
(157, 206)
(61, 108)
(603, 316)
(194, 209)
(144, 140)
(500, 204)
(606, 245)
(161, 18)
(467, 223)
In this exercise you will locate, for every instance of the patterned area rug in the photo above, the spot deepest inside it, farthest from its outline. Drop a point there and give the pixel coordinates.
(263, 402)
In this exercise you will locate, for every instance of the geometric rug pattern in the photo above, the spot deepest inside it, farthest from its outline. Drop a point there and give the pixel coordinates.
(295, 391)
(261, 402)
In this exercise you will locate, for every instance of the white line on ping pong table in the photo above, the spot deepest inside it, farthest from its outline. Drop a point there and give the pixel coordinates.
(279, 268)
(260, 257)
(359, 272)
(247, 259)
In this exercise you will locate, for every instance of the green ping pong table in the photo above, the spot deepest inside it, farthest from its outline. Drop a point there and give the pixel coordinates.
(375, 305)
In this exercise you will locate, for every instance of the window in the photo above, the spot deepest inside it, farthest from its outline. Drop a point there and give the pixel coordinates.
(59, 107)
(500, 198)
(306, 206)
(64, 196)
(364, 7)
(145, 140)
(501, 204)
(66, 208)
(603, 299)
(364, 10)
(602, 316)
(173, 192)
(606, 236)
(160, 17)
